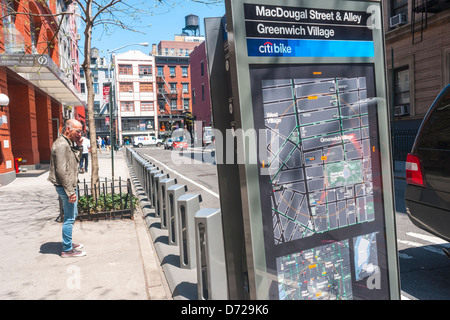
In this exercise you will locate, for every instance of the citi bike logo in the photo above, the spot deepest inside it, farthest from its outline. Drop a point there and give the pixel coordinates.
(274, 48)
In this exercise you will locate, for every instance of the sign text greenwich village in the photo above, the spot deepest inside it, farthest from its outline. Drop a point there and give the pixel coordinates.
(289, 22)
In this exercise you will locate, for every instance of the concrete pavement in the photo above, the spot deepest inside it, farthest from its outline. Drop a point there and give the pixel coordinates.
(121, 261)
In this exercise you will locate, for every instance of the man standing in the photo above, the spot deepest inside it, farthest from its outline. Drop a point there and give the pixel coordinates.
(99, 144)
(85, 155)
(64, 160)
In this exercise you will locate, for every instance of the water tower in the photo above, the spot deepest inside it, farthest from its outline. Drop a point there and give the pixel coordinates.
(191, 22)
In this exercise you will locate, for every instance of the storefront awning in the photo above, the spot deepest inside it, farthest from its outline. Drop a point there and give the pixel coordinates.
(41, 71)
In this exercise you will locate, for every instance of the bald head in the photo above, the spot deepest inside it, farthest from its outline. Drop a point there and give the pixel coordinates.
(73, 129)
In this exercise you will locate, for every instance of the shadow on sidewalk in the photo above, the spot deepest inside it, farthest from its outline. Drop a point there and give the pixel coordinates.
(51, 248)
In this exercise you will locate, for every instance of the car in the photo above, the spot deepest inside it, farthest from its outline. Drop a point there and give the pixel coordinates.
(427, 195)
(168, 143)
(141, 141)
(179, 143)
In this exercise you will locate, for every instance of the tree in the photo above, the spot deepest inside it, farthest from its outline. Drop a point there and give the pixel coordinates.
(104, 13)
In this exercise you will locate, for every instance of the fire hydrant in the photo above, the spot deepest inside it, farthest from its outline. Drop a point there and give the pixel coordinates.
(16, 164)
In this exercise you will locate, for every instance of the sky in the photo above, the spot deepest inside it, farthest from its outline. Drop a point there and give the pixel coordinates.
(163, 25)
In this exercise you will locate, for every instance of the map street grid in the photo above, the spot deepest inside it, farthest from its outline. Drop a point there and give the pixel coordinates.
(321, 171)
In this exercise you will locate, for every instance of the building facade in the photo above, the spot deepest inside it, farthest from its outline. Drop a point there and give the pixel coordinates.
(135, 95)
(174, 82)
(41, 94)
(418, 56)
(101, 73)
(201, 100)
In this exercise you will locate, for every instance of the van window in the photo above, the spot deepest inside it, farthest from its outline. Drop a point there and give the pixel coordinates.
(436, 130)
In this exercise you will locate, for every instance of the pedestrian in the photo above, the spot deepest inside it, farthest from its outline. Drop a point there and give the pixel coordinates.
(108, 143)
(103, 143)
(65, 156)
(85, 154)
(99, 144)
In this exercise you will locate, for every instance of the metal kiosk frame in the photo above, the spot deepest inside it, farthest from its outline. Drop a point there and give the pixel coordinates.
(308, 113)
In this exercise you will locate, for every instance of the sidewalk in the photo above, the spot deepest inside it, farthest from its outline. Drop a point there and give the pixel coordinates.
(121, 262)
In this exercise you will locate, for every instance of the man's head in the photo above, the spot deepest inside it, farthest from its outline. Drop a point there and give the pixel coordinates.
(73, 130)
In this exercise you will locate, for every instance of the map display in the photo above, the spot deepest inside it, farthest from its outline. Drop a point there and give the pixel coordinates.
(318, 154)
(321, 273)
(318, 163)
(366, 258)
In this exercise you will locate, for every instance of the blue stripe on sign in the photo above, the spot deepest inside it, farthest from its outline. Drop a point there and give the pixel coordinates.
(309, 48)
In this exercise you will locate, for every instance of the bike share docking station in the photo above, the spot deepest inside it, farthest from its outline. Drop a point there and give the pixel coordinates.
(306, 103)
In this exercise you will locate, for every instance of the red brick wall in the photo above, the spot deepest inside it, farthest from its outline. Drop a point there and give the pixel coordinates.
(6, 155)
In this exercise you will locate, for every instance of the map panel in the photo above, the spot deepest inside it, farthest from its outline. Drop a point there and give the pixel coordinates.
(366, 257)
(318, 153)
(321, 273)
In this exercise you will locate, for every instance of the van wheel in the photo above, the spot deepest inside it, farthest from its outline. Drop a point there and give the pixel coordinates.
(140, 145)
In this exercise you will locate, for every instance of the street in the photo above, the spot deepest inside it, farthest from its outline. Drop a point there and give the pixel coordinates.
(423, 265)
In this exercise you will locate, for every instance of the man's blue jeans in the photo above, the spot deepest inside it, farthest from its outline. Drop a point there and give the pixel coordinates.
(70, 214)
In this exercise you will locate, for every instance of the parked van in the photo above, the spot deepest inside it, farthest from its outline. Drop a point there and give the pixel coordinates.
(140, 141)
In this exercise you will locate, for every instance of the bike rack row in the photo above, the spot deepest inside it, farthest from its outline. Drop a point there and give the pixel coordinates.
(196, 232)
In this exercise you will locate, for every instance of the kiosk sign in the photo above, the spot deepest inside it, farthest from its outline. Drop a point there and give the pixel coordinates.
(294, 32)
(317, 206)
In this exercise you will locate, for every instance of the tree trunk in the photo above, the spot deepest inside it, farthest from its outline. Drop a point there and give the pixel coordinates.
(90, 98)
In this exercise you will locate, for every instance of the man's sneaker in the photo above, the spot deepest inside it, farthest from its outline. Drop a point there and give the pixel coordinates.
(77, 246)
(72, 254)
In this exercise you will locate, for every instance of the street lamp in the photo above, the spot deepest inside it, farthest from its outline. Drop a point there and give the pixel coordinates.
(4, 101)
(113, 98)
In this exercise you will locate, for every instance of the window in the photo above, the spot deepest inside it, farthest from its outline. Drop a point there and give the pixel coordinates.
(173, 87)
(146, 87)
(184, 71)
(185, 87)
(193, 96)
(173, 104)
(399, 6)
(147, 106)
(126, 106)
(83, 88)
(95, 87)
(202, 68)
(96, 107)
(172, 71)
(186, 104)
(203, 92)
(161, 88)
(95, 75)
(125, 69)
(145, 70)
(160, 71)
(401, 87)
(436, 131)
(125, 86)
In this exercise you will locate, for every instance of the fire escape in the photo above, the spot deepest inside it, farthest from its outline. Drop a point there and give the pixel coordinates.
(422, 8)
(169, 95)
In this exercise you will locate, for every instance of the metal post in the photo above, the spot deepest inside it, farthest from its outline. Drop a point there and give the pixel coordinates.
(211, 269)
(173, 193)
(164, 184)
(157, 179)
(188, 205)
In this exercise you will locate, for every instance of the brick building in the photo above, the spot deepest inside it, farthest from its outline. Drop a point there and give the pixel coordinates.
(41, 94)
(418, 56)
(201, 100)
